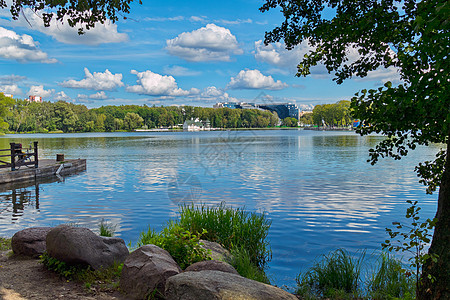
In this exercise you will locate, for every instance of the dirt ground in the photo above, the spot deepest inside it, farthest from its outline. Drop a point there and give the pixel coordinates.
(24, 278)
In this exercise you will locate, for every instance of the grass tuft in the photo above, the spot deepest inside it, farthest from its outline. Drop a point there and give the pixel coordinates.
(240, 260)
(335, 276)
(232, 228)
(390, 280)
(106, 229)
(104, 279)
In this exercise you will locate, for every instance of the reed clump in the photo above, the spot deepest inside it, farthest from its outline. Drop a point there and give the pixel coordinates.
(233, 228)
(338, 275)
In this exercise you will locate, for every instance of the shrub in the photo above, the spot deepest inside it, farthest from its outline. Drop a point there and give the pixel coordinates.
(231, 228)
(336, 275)
(5, 244)
(179, 242)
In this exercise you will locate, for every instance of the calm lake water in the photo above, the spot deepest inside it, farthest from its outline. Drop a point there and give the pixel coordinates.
(316, 187)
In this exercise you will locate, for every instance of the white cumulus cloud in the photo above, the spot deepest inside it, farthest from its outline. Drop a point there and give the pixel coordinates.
(209, 43)
(38, 90)
(21, 48)
(10, 89)
(254, 79)
(214, 94)
(287, 60)
(61, 96)
(180, 71)
(96, 81)
(99, 96)
(62, 32)
(153, 84)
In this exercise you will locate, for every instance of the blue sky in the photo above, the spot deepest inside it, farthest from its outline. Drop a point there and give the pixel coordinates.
(166, 53)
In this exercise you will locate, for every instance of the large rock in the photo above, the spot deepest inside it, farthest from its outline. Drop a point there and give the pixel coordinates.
(30, 241)
(215, 285)
(217, 251)
(77, 245)
(145, 272)
(211, 265)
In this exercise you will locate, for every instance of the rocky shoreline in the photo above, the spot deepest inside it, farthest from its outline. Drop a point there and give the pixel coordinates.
(148, 271)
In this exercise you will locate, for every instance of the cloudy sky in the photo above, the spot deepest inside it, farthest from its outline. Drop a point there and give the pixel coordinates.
(165, 53)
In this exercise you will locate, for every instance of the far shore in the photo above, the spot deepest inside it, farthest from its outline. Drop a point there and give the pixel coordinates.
(181, 130)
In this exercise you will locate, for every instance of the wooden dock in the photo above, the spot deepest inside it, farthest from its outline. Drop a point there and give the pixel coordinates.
(47, 168)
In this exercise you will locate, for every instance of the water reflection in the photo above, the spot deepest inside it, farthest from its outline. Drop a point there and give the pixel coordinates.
(316, 187)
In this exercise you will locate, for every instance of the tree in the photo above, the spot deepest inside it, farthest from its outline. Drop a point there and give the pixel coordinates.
(133, 121)
(84, 14)
(413, 37)
(5, 104)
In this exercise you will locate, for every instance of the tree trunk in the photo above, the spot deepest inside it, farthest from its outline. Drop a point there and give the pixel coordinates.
(438, 287)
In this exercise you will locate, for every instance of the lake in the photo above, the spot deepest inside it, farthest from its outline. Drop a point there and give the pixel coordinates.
(315, 186)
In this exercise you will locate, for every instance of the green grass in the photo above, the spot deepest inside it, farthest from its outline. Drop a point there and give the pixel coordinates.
(5, 244)
(390, 280)
(106, 229)
(232, 228)
(335, 276)
(104, 279)
(240, 260)
(244, 234)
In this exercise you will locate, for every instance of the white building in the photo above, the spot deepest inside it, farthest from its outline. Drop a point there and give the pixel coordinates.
(35, 99)
(7, 95)
(196, 125)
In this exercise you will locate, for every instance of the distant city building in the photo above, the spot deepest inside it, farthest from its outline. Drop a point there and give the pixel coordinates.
(35, 99)
(196, 125)
(283, 110)
(239, 105)
(7, 95)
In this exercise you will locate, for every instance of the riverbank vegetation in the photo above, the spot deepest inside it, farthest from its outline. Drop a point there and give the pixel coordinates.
(17, 116)
(336, 275)
(242, 233)
(23, 116)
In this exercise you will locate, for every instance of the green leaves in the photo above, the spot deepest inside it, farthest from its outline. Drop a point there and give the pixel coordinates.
(414, 239)
(184, 246)
(81, 13)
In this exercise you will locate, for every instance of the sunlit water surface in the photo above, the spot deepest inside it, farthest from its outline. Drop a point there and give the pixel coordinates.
(316, 187)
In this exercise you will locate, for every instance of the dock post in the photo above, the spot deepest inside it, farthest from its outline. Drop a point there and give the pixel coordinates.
(36, 160)
(13, 156)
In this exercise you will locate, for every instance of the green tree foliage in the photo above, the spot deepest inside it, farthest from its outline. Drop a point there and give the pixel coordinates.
(83, 14)
(337, 114)
(289, 122)
(306, 119)
(5, 104)
(413, 37)
(133, 121)
(24, 116)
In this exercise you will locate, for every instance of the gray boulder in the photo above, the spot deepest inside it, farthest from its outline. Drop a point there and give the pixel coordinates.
(145, 272)
(77, 245)
(30, 241)
(217, 251)
(215, 285)
(211, 265)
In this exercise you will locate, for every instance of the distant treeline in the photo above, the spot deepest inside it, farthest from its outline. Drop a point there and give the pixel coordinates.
(23, 116)
(330, 115)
